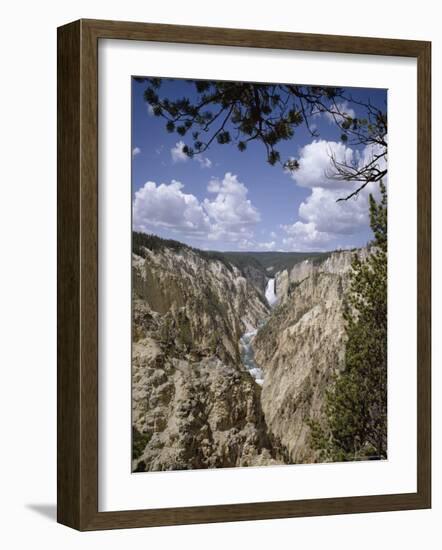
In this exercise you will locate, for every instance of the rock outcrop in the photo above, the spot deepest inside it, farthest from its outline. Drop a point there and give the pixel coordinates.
(337, 262)
(256, 276)
(194, 404)
(301, 347)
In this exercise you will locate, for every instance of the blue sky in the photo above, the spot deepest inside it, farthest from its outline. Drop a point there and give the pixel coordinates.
(232, 200)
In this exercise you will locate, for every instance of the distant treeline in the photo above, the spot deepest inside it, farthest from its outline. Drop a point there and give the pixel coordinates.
(272, 262)
(267, 262)
(155, 243)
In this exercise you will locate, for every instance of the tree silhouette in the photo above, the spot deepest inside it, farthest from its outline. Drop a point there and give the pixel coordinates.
(240, 112)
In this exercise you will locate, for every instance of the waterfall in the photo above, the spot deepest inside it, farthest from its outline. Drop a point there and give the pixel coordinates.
(246, 340)
(270, 292)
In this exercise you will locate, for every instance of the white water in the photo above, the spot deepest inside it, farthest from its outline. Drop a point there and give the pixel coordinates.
(270, 292)
(248, 358)
(246, 340)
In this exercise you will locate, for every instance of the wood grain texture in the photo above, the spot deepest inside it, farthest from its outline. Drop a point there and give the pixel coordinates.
(68, 276)
(77, 224)
(252, 38)
(424, 274)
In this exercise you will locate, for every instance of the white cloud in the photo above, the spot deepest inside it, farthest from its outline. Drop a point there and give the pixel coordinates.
(168, 206)
(345, 217)
(150, 110)
(232, 212)
(229, 216)
(321, 217)
(342, 108)
(304, 236)
(267, 246)
(178, 155)
(135, 151)
(315, 162)
(273, 234)
(204, 162)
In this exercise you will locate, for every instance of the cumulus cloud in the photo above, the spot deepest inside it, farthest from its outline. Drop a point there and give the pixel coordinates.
(233, 214)
(229, 215)
(204, 162)
(169, 207)
(305, 236)
(345, 217)
(135, 151)
(314, 163)
(178, 155)
(321, 217)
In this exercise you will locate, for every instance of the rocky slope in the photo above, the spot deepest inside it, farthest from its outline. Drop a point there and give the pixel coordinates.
(338, 263)
(194, 404)
(301, 347)
(195, 401)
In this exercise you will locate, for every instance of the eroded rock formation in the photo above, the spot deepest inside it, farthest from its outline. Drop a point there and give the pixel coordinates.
(301, 347)
(195, 405)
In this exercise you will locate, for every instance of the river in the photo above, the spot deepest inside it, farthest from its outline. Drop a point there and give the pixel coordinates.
(248, 357)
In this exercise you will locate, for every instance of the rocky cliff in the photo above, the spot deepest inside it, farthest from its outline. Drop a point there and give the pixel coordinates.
(338, 263)
(195, 401)
(194, 404)
(301, 347)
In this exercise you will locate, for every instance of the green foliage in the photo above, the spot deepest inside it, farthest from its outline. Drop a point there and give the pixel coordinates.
(240, 112)
(139, 442)
(354, 426)
(272, 262)
(273, 157)
(152, 242)
(155, 243)
(223, 137)
(267, 262)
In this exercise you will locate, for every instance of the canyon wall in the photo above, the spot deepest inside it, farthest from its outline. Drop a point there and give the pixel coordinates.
(301, 348)
(194, 404)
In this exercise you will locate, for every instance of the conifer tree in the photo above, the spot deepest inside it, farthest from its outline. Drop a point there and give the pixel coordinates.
(239, 113)
(354, 425)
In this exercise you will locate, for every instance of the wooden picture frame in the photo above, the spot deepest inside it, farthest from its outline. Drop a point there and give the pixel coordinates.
(78, 274)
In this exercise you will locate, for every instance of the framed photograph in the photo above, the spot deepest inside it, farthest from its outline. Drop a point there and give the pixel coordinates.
(243, 275)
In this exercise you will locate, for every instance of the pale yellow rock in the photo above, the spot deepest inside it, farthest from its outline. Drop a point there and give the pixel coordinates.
(194, 405)
(301, 347)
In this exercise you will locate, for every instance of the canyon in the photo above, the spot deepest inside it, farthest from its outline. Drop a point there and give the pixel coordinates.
(232, 353)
